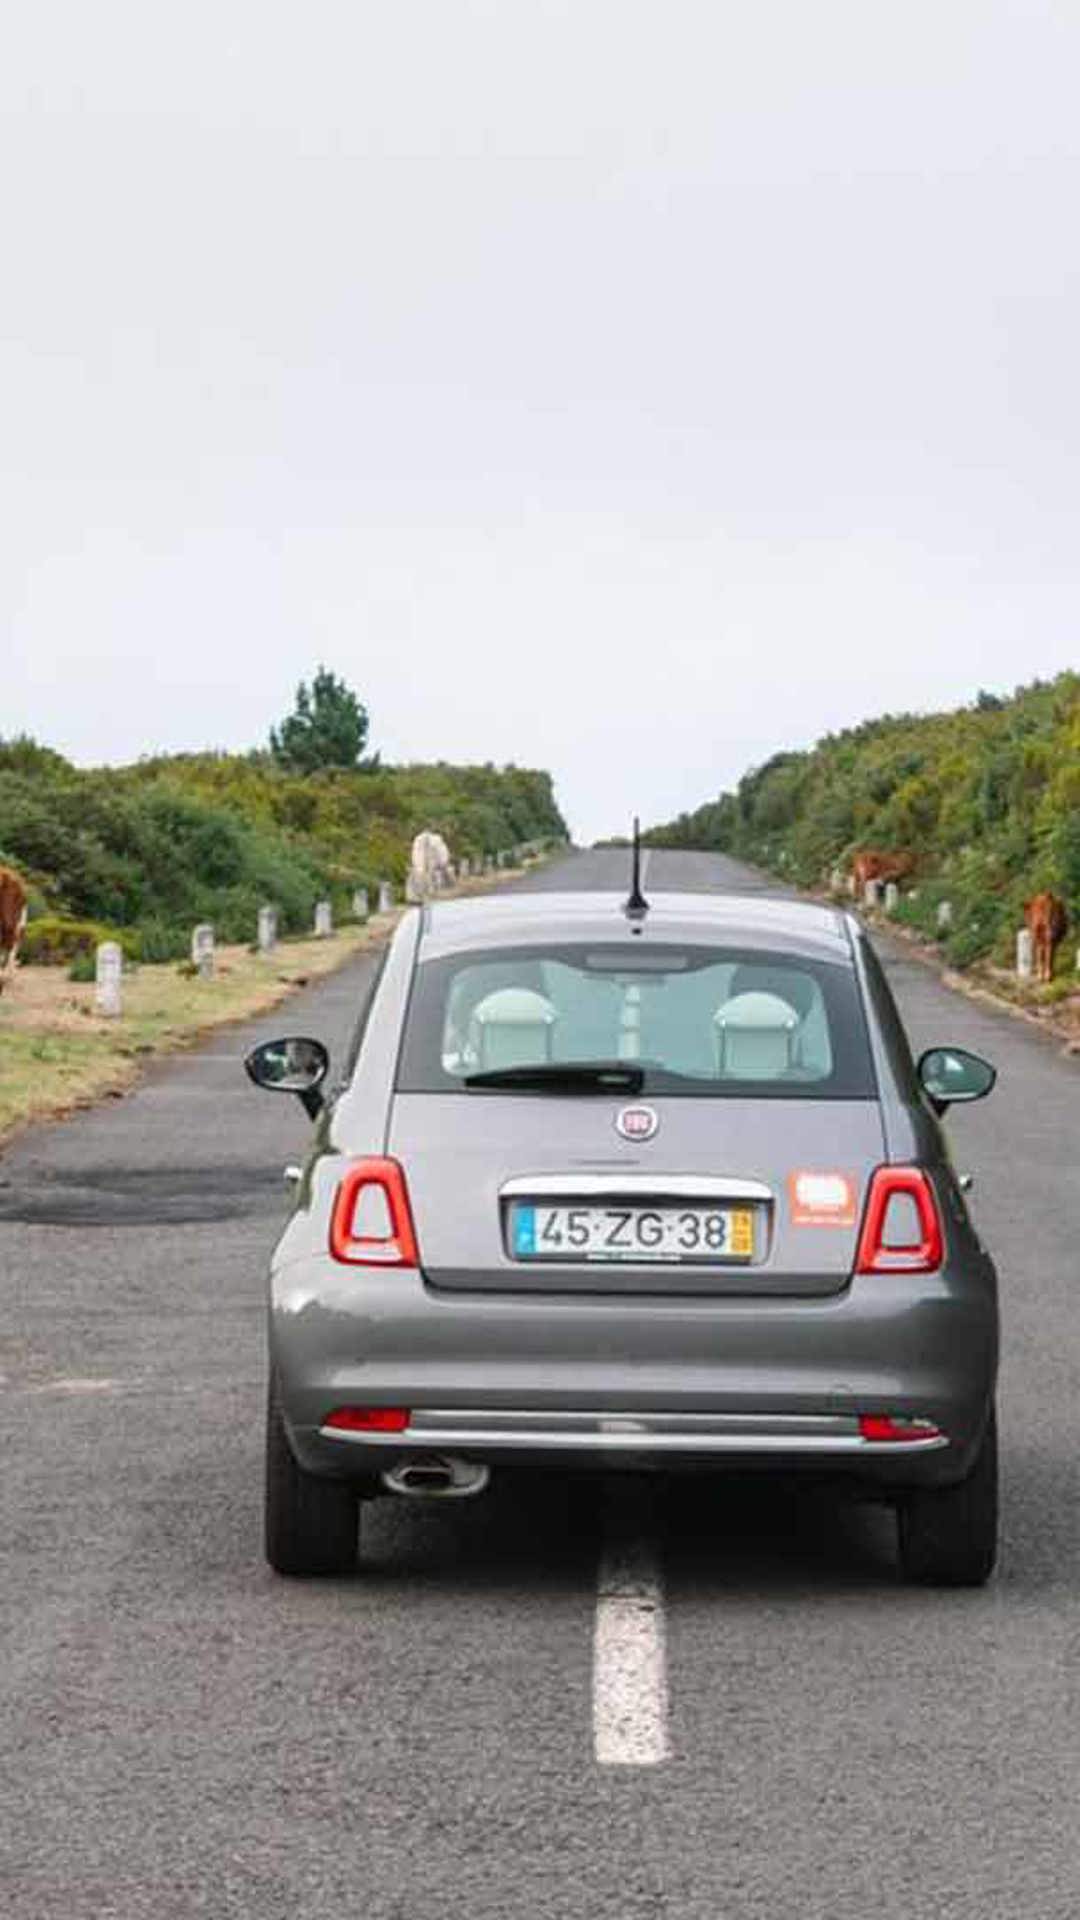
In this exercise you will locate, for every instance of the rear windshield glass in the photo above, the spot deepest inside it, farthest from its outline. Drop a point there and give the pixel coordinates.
(709, 1022)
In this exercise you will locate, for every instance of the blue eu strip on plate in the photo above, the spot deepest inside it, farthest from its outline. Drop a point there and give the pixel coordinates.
(524, 1228)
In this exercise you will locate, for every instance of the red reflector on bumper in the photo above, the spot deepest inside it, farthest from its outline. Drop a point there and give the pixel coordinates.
(881, 1426)
(368, 1419)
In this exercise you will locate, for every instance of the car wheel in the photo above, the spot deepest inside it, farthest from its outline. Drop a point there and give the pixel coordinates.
(310, 1524)
(948, 1535)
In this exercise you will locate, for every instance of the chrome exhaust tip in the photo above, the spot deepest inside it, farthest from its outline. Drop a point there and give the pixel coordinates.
(436, 1476)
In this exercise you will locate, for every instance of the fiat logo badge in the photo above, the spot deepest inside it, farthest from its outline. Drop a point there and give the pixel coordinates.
(637, 1123)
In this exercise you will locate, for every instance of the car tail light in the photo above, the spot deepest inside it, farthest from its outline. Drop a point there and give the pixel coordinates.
(911, 1246)
(371, 1225)
(883, 1426)
(368, 1419)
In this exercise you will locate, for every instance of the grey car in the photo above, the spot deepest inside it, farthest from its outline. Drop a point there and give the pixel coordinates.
(642, 1186)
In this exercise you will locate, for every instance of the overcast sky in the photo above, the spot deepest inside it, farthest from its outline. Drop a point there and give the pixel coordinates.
(627, 388)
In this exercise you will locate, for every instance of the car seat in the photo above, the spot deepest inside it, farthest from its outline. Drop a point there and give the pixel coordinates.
(755, 1035)
(512, 1027)
(810, 1052)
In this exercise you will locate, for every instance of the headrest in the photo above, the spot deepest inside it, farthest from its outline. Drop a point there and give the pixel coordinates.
(512, 1027)
(514, 1007)
(756, 1011)
(798, 989)
(754, 1035)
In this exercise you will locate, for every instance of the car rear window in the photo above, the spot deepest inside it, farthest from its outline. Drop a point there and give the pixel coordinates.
(704, 1022)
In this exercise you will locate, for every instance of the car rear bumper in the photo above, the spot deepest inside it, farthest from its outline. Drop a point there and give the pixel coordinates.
(515, 1430)
(634, 1383)
(633, 1442)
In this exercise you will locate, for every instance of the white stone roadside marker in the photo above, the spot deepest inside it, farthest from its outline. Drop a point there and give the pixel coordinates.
(108, 979)
(267, 929)
(324, 920)
(202, 950)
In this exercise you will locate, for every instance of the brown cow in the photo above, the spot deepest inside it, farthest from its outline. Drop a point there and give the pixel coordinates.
(12, 919)
(1047, 922)
(869, 864)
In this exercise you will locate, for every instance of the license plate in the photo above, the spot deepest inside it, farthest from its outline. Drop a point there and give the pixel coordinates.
(668, 1233)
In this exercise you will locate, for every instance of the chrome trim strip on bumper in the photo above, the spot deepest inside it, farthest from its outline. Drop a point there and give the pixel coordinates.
(513, 1429)
(609, 1182)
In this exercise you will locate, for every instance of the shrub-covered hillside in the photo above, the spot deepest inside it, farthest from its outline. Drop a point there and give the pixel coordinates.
(987, 798)
(153, 848)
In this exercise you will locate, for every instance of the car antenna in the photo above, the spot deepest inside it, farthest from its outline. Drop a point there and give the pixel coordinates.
(636, 905)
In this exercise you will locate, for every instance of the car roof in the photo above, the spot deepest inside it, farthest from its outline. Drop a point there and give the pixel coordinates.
(770, 921)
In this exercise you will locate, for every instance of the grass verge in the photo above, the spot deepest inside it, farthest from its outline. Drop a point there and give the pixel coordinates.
(57, 1054)
(1055, 1008)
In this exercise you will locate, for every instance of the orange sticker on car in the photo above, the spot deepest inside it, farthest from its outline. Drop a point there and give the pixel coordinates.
(822, 1199)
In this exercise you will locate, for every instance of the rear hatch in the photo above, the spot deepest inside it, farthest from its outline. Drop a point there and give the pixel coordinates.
(785, 1179)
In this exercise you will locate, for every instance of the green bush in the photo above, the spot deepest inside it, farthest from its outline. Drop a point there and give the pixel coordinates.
(965, 944)
(986, 798)
(53, 941)
(160, 940)
(155, 848)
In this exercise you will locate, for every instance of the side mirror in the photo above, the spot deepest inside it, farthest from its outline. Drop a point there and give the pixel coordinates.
(291, 1066)
(951, 1074)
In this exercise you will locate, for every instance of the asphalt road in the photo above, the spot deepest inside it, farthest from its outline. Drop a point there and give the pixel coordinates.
(185, 1735)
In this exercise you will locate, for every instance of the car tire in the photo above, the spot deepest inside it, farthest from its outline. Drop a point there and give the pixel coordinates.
(311, 1524)
(948, 1535)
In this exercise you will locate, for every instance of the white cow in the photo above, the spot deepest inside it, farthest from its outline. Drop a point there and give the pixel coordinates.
(429, 866)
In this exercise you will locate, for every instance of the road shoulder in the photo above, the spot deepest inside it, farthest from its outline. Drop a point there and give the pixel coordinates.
(1057, 1020)
(58, 1055)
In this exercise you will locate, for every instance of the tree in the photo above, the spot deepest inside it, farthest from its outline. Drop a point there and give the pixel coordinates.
(21, 754)
(327, 728)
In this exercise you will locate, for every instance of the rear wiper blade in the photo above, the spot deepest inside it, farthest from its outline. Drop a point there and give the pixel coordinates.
(565, 1076)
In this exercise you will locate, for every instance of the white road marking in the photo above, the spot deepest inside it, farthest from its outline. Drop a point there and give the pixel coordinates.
(62, 1383)
(629, 1694)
